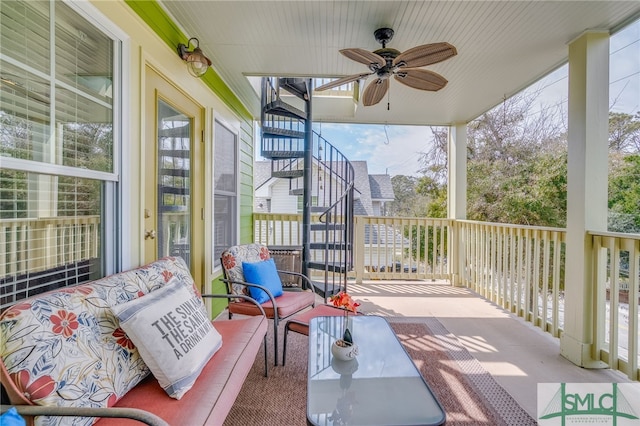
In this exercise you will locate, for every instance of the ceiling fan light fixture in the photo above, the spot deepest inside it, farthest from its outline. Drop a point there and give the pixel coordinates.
(197, 63)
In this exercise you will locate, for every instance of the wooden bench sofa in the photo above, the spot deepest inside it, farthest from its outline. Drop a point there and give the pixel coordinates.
(63, 354)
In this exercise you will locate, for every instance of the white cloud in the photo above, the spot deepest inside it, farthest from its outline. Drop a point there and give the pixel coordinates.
(387, 149)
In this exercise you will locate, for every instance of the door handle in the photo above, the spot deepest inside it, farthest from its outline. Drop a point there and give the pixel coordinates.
(150, 234)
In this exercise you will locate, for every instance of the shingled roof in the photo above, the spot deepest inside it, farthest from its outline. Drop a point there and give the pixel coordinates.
(381, 188)
(368, 188)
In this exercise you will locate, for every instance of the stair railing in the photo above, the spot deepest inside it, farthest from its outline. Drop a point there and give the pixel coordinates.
(331, 250)
(338, 231)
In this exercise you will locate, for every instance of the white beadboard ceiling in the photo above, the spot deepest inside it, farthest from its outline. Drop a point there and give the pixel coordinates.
(503, 46)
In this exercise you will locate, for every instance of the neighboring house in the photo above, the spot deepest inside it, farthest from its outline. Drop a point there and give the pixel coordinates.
(273, 195)
(381, 193)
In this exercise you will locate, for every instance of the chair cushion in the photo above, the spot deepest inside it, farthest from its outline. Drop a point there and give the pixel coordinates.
(288, 304)
(265, 274)
(171, 329)
(300, 322)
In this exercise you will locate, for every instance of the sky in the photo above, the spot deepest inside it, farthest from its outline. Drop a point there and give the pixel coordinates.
(395, 150)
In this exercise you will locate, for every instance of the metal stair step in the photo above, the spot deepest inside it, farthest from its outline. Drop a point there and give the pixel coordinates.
(283, 109)
(281, 135)
(329, 246)
(278, 133)
(271, 155)
(326, 291)
(329, 267)
(327, 226)
(287, 174)
(174, 190)
(296, 86)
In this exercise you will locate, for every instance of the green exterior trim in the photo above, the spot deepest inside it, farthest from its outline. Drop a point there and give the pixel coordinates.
(158, 20)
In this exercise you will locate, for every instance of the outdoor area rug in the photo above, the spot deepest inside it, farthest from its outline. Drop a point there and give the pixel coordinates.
(469, 395)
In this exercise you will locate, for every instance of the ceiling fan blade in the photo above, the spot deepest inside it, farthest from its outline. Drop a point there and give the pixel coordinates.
(341, 81)
(370, 59)
(375, 91)
(425, 54)
(421, 79)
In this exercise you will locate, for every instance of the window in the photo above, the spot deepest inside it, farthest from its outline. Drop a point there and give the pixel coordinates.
(57, 151)
(225, 186)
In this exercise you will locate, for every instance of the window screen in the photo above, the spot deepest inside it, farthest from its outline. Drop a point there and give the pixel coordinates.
(225, 190)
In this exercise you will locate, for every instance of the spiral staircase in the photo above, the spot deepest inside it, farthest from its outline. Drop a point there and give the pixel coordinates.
(318, 172)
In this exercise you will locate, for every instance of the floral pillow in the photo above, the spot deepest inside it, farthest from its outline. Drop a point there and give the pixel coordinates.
(66, 347)
(232, 259)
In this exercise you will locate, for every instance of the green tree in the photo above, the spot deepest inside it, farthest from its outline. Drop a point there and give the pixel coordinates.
(624, 196)
(624, 132)
(407, 202)
(517, 165)
(624, 172)
(433, 182)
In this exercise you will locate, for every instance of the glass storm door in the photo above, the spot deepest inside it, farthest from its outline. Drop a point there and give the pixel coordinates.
(174, 177)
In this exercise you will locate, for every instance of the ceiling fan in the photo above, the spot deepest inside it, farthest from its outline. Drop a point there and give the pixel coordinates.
(405, 67)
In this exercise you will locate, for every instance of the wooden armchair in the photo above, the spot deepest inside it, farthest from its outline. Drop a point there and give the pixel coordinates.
(288, 303)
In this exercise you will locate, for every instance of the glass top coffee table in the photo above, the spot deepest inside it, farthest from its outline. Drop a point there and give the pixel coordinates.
(381, 386)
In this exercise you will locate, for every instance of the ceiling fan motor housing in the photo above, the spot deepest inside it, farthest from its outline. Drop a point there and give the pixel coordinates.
(383, 35)
(389, 53)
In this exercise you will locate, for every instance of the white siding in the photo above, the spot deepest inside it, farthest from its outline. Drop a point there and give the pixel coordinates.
(281, 201)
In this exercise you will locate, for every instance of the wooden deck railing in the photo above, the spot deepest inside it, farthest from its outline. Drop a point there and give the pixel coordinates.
(402, 248)
(617, 261)
(520, 268)
(33, 245)
(384, 247)
(39, 244)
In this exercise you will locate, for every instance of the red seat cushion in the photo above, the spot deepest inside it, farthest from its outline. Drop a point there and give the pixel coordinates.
(209, 400)
(288, 304)
(300, 323)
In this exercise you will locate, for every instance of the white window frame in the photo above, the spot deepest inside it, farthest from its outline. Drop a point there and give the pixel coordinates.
(118, 256)
(236, 225)
(115, 194)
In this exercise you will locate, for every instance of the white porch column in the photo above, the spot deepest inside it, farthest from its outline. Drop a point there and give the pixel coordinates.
(586, 188)
(457, 194)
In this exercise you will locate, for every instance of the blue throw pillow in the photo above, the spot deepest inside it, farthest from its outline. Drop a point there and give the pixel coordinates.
(12, 418)
(265, 274)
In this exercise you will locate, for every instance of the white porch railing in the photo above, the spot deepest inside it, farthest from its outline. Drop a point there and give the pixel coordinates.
(401, 248)
(384, 247)
(33, 245)
(520, 268)
(617, 261)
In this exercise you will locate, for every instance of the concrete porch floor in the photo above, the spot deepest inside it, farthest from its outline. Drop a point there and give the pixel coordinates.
(517, 354)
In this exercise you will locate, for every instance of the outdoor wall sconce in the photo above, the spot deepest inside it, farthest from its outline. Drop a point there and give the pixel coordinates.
(197, 63)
